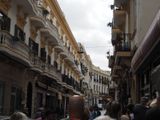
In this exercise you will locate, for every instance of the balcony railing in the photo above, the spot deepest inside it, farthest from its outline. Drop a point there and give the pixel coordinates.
(71, 82)
(17, 49)
(123, 46)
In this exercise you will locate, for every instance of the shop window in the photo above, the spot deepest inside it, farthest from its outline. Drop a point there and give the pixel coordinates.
(4, 22)
(1, 96)
(16, 98)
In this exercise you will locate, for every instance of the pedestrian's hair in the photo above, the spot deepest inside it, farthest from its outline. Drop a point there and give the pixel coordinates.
(18, 116)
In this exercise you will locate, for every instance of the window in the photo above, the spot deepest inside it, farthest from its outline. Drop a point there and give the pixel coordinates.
(43, 54)
(39, 100)
(16, 98)
(33, 46)
(4, 22)
(19, 34)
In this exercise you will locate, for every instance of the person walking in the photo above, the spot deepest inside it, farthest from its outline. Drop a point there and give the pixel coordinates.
(112, 111)
(140, 109)
(19, 116)
(154, 112)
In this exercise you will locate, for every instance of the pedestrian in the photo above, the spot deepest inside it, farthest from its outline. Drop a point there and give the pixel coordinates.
(76, 107)
(86, 114)
(125, 114)
(154, 112)
(96, 111)
(140, 109)
(91, 113)
(130, 108)
(112, 110)
(19, 116)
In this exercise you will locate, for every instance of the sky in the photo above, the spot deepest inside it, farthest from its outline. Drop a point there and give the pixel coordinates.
(88, 21)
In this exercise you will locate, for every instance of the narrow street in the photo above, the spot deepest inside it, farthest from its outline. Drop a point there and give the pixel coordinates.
(68, 59)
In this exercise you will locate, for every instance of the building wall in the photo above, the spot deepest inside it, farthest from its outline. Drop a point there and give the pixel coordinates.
(145, 15)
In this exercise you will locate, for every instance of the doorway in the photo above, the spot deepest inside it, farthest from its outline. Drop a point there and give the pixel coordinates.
(29, 98)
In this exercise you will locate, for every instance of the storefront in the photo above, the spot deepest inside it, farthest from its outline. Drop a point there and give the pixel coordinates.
(146, 61)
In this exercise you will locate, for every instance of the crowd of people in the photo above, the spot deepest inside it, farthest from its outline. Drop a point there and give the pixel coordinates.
(145, 110)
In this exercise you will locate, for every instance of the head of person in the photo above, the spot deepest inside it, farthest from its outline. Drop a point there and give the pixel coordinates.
(18, 116)
(91, 108)
(86, 114)
(76, 107)
(115, 109)
(144, 100)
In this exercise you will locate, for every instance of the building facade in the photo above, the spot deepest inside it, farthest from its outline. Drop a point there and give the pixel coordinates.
(100, 81)
(135, 63)
(39, 59)
(41, 63)
(96, 81)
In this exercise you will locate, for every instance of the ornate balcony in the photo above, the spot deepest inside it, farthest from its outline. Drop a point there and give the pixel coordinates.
(123, 49)
(51, 71)
(27, 55)
(16, 49)
(119, 18)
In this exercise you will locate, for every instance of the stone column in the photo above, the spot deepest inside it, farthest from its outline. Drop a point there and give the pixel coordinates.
(52, 56)
(62, 71)
(59, 62)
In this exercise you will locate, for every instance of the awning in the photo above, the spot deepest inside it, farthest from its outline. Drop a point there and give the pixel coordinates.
(147, 45)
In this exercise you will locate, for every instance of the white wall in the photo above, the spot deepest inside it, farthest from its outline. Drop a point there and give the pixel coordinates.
(12, 14)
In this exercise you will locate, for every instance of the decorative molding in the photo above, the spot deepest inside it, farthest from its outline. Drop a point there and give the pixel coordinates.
(21, 17)
(33, 32)
(42, 42)
(5, 5)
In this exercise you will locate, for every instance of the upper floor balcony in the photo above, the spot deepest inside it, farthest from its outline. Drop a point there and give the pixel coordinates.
(15, 48)
(27, 54)
(123, 49)
(116, 36)
(119, 18)
(120, 2)
(71, 83)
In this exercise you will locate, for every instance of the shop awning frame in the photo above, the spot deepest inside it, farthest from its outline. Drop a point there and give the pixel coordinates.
(149, 42)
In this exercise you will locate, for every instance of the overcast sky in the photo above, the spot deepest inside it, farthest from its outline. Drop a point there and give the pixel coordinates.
(88, 21)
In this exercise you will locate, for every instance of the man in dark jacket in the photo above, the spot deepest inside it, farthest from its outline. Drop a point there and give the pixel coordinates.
(140, 109)
(154, 112)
